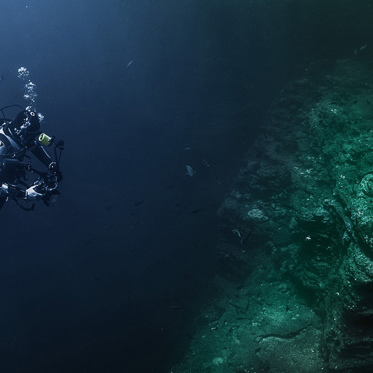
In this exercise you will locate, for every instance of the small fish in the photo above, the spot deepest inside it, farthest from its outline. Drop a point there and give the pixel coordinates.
(129, 64)
(2, 77)
(237, 232)
(138, 203)
(196, 211)
(358, 50)
(190, 171)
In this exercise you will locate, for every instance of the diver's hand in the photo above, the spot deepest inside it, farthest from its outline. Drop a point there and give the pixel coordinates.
(32, 194)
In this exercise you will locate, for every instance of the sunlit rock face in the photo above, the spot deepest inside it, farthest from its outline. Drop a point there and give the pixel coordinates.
(301, 218)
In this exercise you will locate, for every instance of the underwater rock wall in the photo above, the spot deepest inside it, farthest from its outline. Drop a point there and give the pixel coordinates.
(297, 256)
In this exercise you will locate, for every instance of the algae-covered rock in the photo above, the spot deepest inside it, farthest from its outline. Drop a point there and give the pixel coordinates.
(303, 207)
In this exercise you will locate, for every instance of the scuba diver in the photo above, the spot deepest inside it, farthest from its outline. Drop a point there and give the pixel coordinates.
(17, 138)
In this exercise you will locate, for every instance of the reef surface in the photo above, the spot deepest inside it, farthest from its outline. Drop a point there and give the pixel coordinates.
(296, 255)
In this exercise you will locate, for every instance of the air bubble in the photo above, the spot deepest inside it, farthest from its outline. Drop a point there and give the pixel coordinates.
(30, 87)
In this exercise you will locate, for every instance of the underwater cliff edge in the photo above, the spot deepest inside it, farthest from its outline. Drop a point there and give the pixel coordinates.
(297, 248)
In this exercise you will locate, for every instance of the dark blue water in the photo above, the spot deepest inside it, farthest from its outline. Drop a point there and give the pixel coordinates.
(109, 279)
